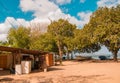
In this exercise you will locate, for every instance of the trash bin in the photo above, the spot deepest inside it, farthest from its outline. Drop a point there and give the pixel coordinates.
(18, 69)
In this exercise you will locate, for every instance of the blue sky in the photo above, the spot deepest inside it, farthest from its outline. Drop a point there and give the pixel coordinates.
(77, 6)
(11, 8)
(26, 12)
(17, 8)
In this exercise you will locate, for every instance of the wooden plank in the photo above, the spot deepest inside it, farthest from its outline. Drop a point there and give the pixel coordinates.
(24, 51)
(3, 61)
(49, 59)
(51, 62)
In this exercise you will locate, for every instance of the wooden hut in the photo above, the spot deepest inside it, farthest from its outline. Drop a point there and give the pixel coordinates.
(15, 56)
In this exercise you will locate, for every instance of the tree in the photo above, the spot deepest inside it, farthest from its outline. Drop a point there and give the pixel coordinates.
(4, 43)
(39, 27)
(44, 42)
(69, 46)
(60, 30)
(19, 37)
(83, 41)
(105, 23)
(35, 33)
(40, 39)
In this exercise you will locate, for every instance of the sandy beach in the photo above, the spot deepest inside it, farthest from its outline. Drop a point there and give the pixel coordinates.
(71, 72)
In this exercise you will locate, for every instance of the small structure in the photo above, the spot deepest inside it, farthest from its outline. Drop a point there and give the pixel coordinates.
(39, 60)
(49, 59)
(5, 60)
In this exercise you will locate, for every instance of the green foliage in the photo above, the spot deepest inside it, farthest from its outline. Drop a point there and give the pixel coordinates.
(44, 42)
(103, 29)
(105, 24)
(61, 31)
(19, 37)
(108, 27)
(61, 28)
(83, 40)
(4, 43)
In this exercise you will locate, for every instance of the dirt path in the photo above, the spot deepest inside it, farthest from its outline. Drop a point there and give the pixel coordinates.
(71, 72)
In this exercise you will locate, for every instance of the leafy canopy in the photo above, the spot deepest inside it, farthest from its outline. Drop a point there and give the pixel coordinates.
(19, 37)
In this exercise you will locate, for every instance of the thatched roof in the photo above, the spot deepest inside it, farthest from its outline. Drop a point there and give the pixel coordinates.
(20, 50)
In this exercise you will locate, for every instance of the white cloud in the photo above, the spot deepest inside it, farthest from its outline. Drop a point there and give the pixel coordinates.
(40, 8)
(3, 37)
(12, 22)
(9, 23)
(22, 22)
(57, 14)
(108, 3)
(84, 17)
(4, 28)
(61, 2)
(82, 1)
(43, 10)
(52, 11)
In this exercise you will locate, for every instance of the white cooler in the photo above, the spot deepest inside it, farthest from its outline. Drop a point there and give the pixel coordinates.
(26, 67)
(18, 69)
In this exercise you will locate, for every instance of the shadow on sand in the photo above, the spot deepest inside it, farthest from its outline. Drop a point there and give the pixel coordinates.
(4, 72)
(74, 79)
(98, 61)
(6, 79)
(54, 69)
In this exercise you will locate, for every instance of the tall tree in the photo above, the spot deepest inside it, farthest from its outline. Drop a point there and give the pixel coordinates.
(68, 46)
(40, 39)
(19, 37)
(44, 42)
(60, 30)
(82, 41)
(105, 23)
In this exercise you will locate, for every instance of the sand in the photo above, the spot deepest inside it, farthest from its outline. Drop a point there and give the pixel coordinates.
(71, 72)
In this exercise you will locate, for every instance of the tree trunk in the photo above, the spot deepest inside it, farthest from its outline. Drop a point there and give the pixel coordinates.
(115, 55)
(71, 55)
(55, 59)
(67, 53)
(14, 60)
(68, 56)
(60, 52)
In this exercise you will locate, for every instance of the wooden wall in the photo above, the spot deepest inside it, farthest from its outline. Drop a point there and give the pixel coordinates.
(49, 59)
(5, 61)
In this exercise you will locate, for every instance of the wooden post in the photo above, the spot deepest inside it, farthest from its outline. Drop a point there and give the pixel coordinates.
(44, 64)
(42, 61)
(14, 60)
(18, 57)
